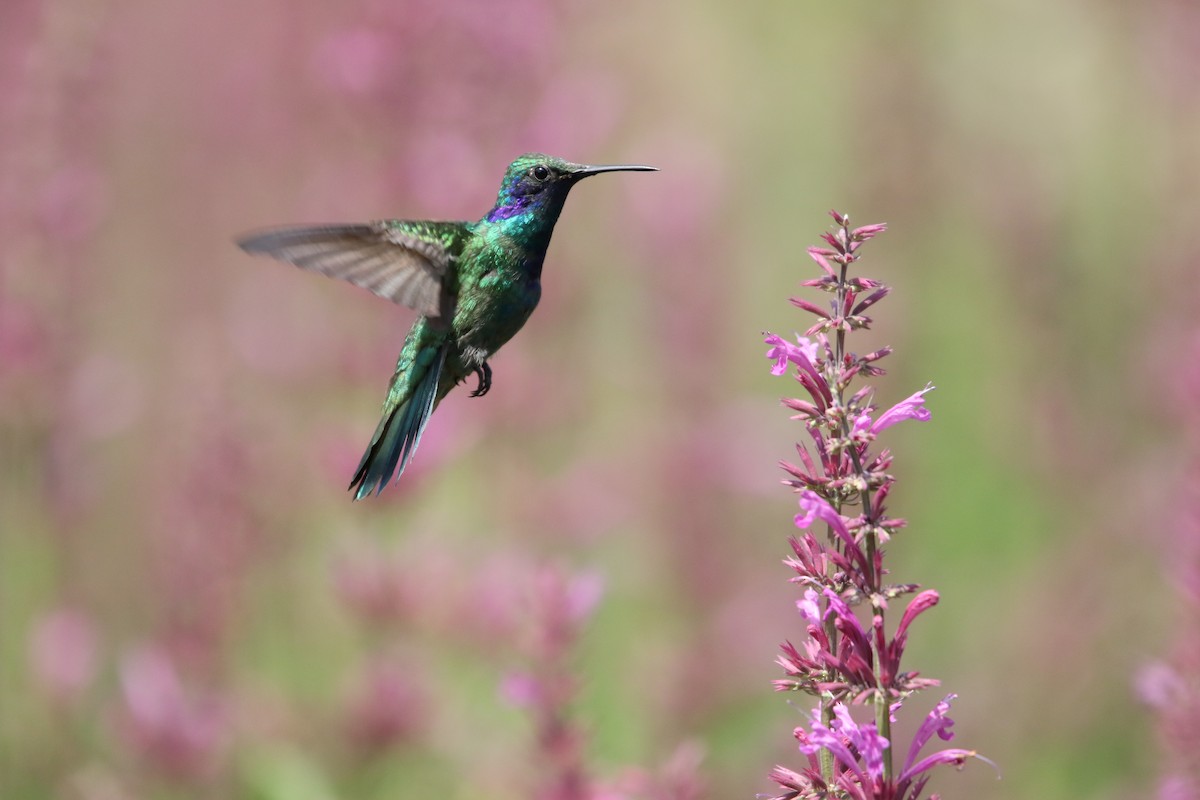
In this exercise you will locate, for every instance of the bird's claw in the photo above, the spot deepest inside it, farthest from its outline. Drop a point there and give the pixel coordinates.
(484, 373)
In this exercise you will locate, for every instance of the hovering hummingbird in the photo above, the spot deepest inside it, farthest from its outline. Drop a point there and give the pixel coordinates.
(474, 283)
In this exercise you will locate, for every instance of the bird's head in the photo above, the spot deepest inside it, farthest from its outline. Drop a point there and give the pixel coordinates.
(536, 181)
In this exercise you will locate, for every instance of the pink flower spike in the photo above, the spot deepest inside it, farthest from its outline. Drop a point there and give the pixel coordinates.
(912, 407)
(855, 626)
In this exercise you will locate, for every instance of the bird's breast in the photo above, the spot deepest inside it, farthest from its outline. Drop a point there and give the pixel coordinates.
(494, 307)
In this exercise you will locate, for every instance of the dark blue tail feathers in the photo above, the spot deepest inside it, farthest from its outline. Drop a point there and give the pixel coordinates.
(399, 432)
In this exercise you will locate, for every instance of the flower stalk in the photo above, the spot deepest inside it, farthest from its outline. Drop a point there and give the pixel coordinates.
(848, 658)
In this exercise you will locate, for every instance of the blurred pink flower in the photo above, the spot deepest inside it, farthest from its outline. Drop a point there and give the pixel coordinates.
(423, 584)
(520, 689)
(583, 593)
(1171, 685)
(582, 503)
(178, 732)
(63, 653)
(492, 605)
(1178, 787)
(558, 604)
(1160, 686)
(386, 706)
(678, 778)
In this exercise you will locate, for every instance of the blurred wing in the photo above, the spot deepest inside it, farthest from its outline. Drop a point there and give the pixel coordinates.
(402, 266)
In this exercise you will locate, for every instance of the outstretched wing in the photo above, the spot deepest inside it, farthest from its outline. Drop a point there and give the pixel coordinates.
(405, 262)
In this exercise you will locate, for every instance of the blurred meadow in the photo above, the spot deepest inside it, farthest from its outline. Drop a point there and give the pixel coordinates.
(191, 606)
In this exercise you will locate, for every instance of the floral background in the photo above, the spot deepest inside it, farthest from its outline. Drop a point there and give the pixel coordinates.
(578, 589)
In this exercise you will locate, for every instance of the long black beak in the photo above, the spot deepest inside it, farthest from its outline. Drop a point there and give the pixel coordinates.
(583, 170)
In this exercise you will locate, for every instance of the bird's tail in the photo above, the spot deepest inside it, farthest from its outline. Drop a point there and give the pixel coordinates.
(399, 433)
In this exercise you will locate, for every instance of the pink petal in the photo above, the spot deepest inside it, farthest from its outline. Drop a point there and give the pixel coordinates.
(912, 407)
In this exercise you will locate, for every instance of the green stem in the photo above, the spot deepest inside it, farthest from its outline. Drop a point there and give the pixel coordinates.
(826, 701)
(883, 720)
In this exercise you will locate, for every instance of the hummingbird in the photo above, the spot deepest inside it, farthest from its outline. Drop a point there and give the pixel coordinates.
(473, 283)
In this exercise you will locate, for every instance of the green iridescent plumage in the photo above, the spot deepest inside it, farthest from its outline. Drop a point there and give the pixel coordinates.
(475, 284)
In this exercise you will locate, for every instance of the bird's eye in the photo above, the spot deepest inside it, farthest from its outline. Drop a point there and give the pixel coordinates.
(540, 172)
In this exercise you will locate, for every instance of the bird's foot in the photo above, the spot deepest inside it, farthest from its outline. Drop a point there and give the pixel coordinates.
(484, 373)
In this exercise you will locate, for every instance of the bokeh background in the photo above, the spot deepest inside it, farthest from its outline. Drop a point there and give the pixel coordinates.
(580, 577)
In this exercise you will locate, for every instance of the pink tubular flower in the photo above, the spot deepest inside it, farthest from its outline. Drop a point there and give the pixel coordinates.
(810, 607)
(912, 407)
(802, 354)
(816, 508)
(912, 774)
(857, 748)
